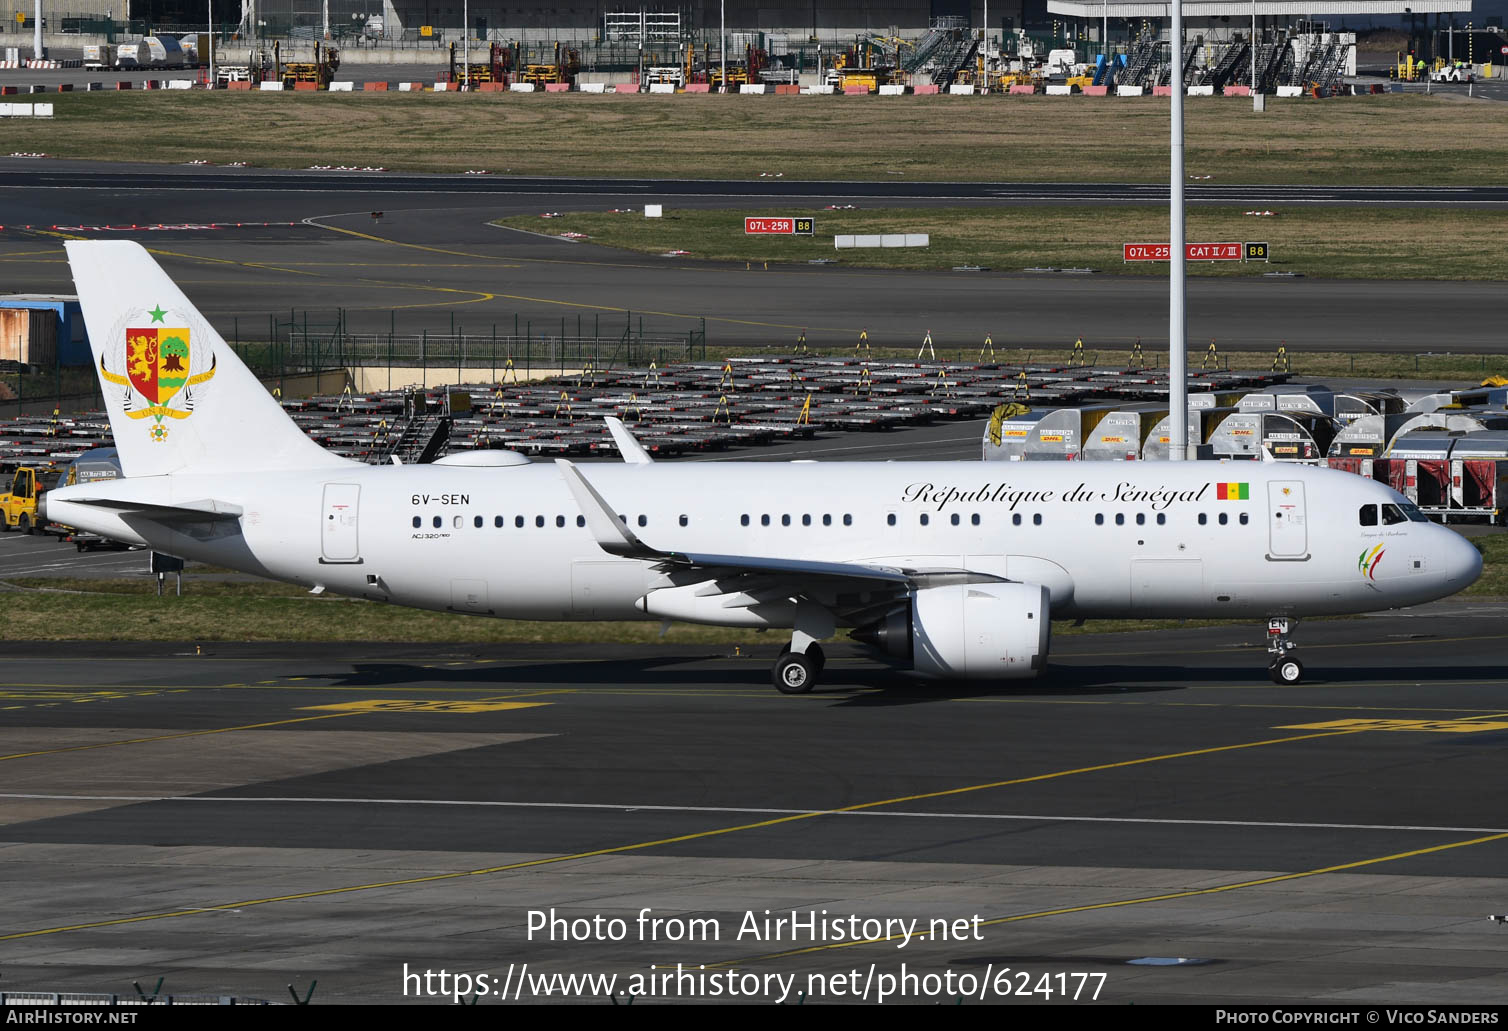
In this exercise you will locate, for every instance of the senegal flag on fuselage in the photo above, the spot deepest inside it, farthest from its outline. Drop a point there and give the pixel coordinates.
(157, 361)
(1232, 491)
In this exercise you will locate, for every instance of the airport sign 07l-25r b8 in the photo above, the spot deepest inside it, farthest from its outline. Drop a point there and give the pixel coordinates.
(778, 227)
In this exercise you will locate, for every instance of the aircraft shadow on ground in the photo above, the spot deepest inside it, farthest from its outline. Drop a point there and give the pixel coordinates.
(845, 684)
(877, 685)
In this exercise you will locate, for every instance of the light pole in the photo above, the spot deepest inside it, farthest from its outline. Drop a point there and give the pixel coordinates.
(466, 44)
(986, 46)
(1178, 404)
(36, 38)
(210, 42)
(1253, 46)
(722, 43)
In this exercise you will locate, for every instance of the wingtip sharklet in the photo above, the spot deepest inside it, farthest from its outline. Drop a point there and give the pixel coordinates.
(628, 445)
(611, 534)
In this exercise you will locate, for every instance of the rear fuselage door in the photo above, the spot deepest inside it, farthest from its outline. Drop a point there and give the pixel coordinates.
(338, 523)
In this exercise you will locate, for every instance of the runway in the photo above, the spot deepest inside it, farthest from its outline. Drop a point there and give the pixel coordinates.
(74, 175)
(431, 263)
(309, 813)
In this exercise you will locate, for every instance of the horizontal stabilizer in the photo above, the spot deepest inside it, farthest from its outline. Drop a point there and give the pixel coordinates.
(208, 510)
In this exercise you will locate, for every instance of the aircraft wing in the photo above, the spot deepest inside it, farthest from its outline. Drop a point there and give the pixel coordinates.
(616, 538)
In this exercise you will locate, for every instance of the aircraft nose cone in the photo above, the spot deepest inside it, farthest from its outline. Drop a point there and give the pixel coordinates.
(1463, 562)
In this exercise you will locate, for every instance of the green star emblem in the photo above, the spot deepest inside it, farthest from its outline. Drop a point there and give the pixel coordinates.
(157, 313)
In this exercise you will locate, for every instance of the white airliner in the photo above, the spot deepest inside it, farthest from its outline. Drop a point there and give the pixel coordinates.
(950, 568)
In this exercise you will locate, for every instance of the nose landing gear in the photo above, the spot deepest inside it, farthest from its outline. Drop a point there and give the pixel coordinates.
(1284, 666)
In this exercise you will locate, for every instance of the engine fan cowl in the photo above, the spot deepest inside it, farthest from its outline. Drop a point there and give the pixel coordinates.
(968, 631)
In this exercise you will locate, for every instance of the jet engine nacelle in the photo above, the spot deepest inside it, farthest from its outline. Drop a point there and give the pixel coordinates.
(974, 631)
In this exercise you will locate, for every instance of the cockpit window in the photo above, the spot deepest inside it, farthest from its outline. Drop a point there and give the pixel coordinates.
(1392, 515)
(1368, 515)
(1412, 511)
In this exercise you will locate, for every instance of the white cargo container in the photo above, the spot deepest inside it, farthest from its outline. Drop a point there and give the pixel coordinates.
(98, 56)
(152, 52)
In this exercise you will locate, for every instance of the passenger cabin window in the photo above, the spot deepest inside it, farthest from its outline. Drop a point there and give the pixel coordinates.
(827, 520)
(974, 518)
(924, 519)
(439, 522)
(497, 521)
(806, 520)
(890, 519)
(1245, 519)
(1203, 518)
(1368, 515)
(518, 521)
(743, 520)
(1224, 518)
(764, 520)
(559, 521)
(785, 520)
(477, 522)
(1016, 519)
(685, 520)
(581, 520)
(847, 520)
(417, 522)
(1099, 519)
(955, 519)
(1141, 518)
(1120, 519)
(1392, 515)
(1162, 517)
(644, 520)
(1037, 519)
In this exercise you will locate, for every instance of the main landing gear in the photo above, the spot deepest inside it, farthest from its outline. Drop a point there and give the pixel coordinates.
(798, 672)
(801, 662)
(1284, 667)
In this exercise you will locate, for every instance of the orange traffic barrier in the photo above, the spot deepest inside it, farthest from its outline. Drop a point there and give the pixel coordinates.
(1026, 90)
(698, 87)
(374, 87)
(788, 91)
(305, 87)
(922, 90)
(238, 85)
(1096, 91)
(557, 87)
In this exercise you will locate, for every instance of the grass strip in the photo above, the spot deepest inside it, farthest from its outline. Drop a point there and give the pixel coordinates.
(1327, 242)
(1359, 140)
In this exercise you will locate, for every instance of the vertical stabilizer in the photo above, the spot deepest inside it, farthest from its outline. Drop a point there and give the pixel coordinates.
(179, 399)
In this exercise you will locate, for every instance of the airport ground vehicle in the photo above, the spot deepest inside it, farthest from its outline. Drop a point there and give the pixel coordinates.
(18, 506)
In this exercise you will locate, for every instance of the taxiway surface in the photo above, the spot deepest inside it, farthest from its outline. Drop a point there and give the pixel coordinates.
(248, 817)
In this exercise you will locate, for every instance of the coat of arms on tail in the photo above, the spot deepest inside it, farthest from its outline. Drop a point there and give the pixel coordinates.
(160, 377)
